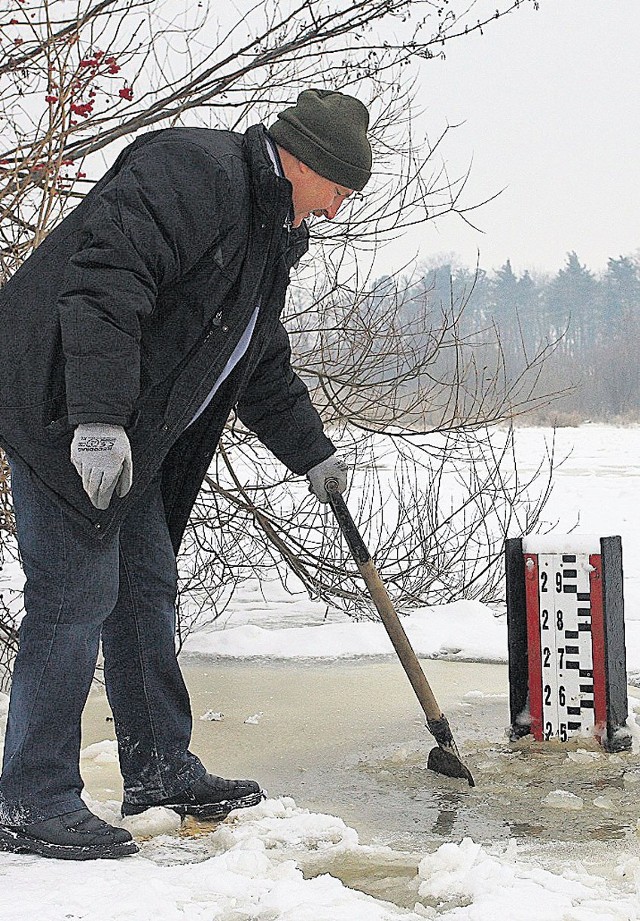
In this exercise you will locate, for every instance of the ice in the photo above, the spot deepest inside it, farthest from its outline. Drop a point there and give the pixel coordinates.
(281, 824)
(105, 752)
(623, 733)
(563, 799)
(349, 740)
(480, 886)
(155, 821)
(445, 873)
(631, 780)
(582, 756)
(425, 911)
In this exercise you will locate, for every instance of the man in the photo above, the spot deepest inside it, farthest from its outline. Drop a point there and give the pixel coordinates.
(129, 335)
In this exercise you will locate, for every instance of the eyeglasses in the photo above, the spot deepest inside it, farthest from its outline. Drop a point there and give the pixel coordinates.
(349, 196)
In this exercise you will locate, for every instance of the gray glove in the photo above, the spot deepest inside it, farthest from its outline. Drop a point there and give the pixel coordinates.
(101, 454)
(331, 468)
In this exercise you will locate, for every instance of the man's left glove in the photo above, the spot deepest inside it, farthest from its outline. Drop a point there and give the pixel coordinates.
(331, 468)
(101, 454)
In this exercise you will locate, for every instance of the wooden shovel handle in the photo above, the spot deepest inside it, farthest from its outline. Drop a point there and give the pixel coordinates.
(383, 604)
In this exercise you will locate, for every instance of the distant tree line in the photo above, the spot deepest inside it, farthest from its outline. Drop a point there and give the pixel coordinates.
(587, 324)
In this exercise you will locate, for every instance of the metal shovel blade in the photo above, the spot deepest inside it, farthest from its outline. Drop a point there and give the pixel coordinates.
(443, 761)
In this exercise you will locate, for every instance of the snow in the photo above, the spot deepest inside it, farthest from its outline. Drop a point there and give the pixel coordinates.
(595, 495)
(504, 886)
(277, 861)
(466, 630)
(246, 870)
(241, 871)
(562, 543)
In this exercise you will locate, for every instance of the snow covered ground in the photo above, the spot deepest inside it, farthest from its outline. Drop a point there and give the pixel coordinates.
(280, 862)
(596, 492)
(249, 870)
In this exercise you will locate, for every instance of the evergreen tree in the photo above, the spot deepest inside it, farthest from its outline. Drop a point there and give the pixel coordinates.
(621, 294)
(503, 306)
(572, 308)
(617, 359)
(529, 312)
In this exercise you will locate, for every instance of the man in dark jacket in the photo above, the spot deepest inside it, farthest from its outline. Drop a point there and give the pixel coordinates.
(130, 333)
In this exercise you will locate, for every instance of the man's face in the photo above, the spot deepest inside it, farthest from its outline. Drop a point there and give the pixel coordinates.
(313, 194)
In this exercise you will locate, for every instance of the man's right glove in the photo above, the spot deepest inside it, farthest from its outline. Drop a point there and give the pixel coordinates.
(333, 468)
(101, 454)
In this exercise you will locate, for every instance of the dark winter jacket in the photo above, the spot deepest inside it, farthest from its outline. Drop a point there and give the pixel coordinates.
(128, 312)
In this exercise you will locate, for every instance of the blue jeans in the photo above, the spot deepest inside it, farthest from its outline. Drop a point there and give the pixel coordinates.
(77, 590)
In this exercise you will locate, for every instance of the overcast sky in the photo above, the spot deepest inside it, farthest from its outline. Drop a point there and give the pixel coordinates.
(550, 112)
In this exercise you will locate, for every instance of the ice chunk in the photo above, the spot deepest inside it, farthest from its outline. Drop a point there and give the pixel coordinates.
(105, 752)
(155, 821)
(425, 911)
(563, 799)
(523, 718)
(400, 755)
(631, 779)
(213, 715)
(582, 756)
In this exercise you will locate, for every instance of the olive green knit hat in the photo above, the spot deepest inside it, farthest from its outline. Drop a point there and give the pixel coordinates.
(328, 131)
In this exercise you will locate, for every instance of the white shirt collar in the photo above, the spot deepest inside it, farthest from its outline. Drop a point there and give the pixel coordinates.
(275, 159)
(273, 153)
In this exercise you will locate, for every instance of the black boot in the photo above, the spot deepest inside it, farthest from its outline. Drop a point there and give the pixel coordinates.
(78, 835)
(209, 797)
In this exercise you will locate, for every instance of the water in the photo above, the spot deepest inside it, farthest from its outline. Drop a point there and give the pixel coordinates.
(348, 738)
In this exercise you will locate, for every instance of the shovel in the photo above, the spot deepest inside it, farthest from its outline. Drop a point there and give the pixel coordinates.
(445, 759)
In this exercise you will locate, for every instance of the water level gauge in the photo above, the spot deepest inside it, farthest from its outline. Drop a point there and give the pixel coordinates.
(567, 661)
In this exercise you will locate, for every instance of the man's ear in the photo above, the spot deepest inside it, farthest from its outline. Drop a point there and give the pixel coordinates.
(293, 168)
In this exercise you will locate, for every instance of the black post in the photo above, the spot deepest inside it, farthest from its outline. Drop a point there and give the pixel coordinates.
(516, 634)
(614, 644)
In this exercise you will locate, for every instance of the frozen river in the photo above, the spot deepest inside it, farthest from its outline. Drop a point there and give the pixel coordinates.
(347, 738)
(317, 710)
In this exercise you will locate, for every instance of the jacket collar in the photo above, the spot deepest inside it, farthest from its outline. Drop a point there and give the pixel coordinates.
(271, 193)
